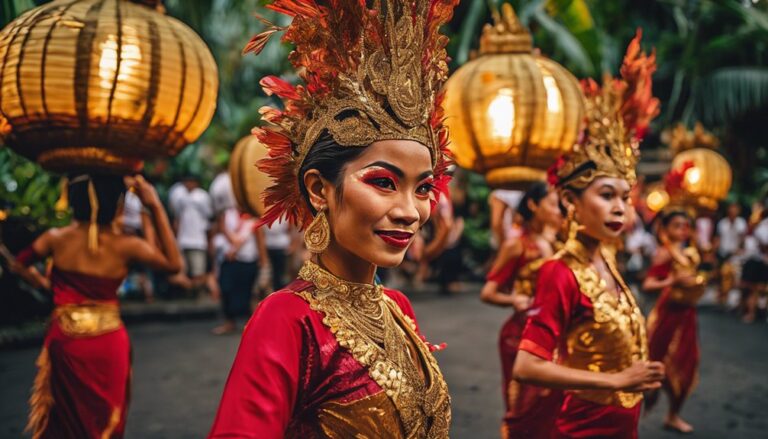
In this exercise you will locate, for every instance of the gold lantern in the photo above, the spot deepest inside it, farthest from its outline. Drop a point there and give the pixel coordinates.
(656, 197)
(103, 84)
(248, 183)
(511, 112)
(706, 175)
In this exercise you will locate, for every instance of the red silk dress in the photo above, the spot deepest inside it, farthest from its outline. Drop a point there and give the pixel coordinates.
(592, 329)
(294, 377)
(672, 329)
(82, 385)
(531, 410)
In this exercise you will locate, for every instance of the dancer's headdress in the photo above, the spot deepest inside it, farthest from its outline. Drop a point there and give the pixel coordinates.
(372, 70)
(618, 115)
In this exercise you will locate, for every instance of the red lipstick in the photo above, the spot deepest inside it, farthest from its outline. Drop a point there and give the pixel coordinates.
(395, 238)
(615, 225)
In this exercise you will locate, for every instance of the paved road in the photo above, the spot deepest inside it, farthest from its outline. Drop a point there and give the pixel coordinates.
(180, 369)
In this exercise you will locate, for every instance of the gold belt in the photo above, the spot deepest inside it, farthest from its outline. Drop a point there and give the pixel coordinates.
(88, 319)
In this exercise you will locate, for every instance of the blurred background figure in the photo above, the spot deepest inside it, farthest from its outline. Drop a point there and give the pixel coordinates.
(503, 204)
(754, 275)
(672, 325)
(279, 242)
(729, 244)
(192, 209)
(245, 253)
(82, 384)
(530, 410)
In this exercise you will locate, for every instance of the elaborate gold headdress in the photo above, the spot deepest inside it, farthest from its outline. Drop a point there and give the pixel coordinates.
(618, 115)
(370, 73)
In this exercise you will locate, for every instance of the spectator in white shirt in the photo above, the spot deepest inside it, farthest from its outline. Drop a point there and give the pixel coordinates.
(503, 204)
(755, 273)
(193, 210)
(245, 253)
(731, 232)
(278, 242)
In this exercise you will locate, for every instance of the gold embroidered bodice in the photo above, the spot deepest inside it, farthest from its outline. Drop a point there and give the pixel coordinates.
(615, 337)
(371, 417)
(685, 262)
(525, 281)
(373, 328)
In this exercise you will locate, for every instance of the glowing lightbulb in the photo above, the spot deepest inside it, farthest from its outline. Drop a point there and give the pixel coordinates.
(130, 57)
(554, 99)
(656, 200)
(693, 176)
(501, 112)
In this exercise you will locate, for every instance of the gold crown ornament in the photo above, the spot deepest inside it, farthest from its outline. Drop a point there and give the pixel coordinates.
(618, 115)
(371, 70)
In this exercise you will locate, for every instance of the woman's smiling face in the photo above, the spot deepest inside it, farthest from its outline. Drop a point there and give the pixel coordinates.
(385, 199)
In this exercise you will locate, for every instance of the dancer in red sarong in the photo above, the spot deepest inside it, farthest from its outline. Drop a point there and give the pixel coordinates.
(583, 309)
(82, 385)
(530, 410)
(358, 158)
(672, 325)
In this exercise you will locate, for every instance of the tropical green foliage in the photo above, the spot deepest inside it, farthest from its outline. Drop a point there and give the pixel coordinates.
(712, 68)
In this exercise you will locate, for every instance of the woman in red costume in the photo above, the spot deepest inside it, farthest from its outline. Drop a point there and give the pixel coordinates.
(583, 313)
(530, 410)
(82, 384)
(357, 156)
(672, 333)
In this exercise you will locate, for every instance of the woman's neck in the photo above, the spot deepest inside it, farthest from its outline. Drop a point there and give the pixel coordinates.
(591, 244)
(535, 227)
(346, 265)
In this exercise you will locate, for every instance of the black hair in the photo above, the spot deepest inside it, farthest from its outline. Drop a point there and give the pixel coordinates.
(576, 193)
(109, 192)
(537, 192)
(329, 158)
(667, 217)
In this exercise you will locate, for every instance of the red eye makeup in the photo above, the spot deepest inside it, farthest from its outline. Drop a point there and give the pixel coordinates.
(380, 178)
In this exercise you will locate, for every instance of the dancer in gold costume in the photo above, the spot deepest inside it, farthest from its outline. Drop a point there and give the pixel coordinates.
(583, 310)
(672, 325)
(530, 410)
(358, 158)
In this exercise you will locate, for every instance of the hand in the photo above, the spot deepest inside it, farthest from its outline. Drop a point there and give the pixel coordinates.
(686, 280)
(521, 302)
(145, 191)
(264, 281)
(639, 377)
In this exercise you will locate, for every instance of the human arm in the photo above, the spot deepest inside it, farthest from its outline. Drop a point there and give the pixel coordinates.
(660, 275)
(148, 228)
(437, 244)
(22, 263)
(263, 386)
(165, 256)
(639, 377)
(557, 301)
(498, 208)
(261, 244)
(501, 274)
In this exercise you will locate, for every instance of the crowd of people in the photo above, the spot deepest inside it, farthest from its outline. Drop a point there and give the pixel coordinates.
(360, 167)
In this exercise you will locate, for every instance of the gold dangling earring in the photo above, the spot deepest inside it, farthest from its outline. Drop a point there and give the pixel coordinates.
(318, 233)
(573, 226)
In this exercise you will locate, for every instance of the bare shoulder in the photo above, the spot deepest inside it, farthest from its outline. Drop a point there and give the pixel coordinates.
(661, 256)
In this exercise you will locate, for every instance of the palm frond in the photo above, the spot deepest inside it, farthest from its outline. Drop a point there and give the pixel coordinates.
(572, 50)
(729, 92)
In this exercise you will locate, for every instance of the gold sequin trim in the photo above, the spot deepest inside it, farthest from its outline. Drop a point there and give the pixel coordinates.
(374, 330)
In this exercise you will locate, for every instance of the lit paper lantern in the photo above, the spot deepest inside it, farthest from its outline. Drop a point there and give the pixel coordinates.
(511, 112)
(248, 182)
(707, 179)
(92, 84)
